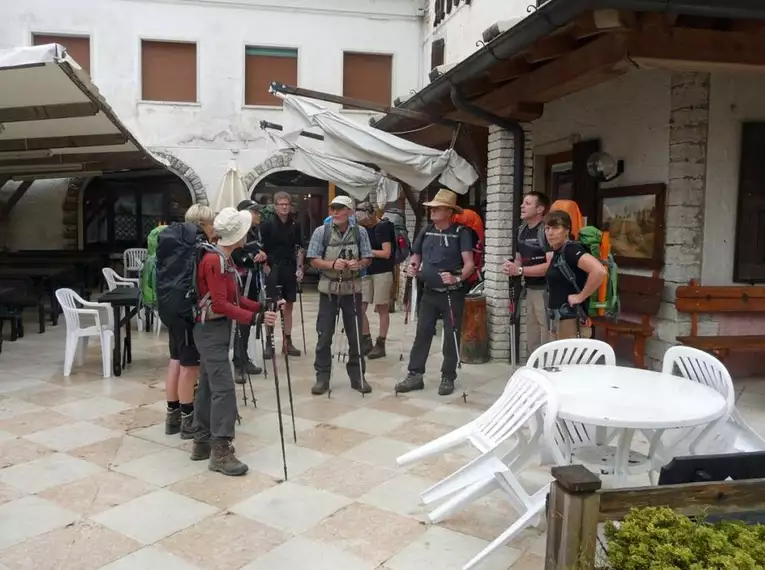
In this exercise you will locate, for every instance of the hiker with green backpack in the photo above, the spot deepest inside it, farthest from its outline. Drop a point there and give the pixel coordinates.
(573, 277)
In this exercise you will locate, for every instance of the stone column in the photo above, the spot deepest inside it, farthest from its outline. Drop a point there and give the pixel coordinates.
(684, 237)
(500, 235)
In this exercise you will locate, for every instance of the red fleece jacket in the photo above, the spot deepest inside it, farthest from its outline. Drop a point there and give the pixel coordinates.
(223, 291)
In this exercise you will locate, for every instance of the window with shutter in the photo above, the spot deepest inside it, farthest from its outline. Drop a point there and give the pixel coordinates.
(78, 47)
(368, 77)
(168, 71)
(749, 261)
(263, 65)
(437, 52)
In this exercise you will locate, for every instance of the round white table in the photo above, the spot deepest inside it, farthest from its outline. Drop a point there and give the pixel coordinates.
(629, 399)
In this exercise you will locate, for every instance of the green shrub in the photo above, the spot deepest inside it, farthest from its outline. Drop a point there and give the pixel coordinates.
(660, 539)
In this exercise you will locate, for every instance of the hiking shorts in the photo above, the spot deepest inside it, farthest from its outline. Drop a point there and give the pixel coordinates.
(376, 289)
(284, 277)
(182, 346)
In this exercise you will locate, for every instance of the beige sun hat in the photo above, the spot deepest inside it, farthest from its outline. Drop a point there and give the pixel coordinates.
(445, 199)
(232, 225)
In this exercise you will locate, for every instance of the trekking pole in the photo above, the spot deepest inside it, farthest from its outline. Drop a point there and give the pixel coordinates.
(454, 327)
(286, 363)
(270, 305)
(357, 326)
(407, 309)
(259, 332)
(302, 319)
(337, 320)
(245, 374)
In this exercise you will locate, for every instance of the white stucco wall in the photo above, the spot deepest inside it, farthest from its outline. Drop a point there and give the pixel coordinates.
(461, 29)
(203, 134)
(734, 99)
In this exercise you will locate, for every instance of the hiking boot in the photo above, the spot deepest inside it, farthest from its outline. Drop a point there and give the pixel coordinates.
(378, 351)
(200, 451)
(249, 368)
(320, 387)
(413, 381)
(291, 350)
(187, 426)
(446, 386)
(223, 460)
(361, 386)
(268, 353)
(366, 344)
(173, 421)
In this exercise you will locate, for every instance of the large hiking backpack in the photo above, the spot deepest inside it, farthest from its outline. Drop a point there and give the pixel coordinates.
(179, 249)
(402, 246)
(471, 220)
(605, 300)
(148, 273)
(572, 209)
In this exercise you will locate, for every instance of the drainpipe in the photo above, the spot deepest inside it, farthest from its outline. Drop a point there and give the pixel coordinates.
(518, 173)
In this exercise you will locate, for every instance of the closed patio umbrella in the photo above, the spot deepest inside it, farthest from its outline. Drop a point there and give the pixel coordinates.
(231, 190)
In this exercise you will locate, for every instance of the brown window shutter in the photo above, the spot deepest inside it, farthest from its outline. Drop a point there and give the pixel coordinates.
(169, 71)
(78, 47)
(437, 52)
(585, 186)
(264, 65)
(368, 76)
(749, 261)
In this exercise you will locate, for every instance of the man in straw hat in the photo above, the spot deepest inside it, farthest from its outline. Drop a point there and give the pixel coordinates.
(442, 257)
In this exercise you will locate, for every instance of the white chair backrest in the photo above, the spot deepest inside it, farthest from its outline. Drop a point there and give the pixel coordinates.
(70, 302)
(134, 258)
(109, 277)
(526, 393)
(572, 351)
(701, 367)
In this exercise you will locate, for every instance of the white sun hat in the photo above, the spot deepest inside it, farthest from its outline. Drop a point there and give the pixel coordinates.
(232, 225)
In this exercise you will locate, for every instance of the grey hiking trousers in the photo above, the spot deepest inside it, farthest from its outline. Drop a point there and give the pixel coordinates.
(215, 403)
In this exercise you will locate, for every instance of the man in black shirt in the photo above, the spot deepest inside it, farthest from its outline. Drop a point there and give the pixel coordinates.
(532, 261)
(443, 256)
(283, 244)
(378, 282)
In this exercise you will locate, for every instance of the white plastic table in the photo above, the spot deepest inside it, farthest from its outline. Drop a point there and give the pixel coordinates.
(629, 399)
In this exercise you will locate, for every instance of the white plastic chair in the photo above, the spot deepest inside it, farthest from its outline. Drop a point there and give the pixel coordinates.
(720, 436)
(114, 279)
(527, 395)
(133, 260)
(75, 310)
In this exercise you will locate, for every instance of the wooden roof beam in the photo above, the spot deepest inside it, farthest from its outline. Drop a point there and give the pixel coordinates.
(46, 143)
(79, 158)
(45, 112)
(549, 48)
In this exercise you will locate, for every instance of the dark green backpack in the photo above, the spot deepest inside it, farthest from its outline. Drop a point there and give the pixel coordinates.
(149, 273)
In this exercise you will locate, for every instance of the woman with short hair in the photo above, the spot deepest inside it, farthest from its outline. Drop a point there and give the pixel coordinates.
(573, 276)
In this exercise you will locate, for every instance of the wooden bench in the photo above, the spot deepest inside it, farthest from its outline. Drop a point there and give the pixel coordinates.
(639, 296)
(697, 300)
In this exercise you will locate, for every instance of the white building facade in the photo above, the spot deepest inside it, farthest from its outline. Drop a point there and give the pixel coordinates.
(189, 77)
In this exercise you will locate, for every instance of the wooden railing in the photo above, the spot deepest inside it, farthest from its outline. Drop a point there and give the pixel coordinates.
(577, 504)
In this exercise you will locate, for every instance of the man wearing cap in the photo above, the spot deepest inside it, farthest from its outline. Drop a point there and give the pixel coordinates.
(252, 249)
(283, 244)
(340, 252)
(378, 281)
(442, 257)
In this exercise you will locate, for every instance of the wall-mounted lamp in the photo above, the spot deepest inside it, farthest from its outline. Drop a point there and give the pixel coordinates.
(603, 167)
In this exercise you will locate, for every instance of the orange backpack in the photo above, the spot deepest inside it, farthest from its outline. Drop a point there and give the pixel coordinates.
(470, 219)
(570, 207)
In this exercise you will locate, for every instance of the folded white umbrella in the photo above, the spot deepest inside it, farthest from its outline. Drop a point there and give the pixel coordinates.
(231, 190)
(409, 162)
(358, 180)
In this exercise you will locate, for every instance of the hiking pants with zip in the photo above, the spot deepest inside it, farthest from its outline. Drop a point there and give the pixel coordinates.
(435, 305)
(215, 403)
(325, 328)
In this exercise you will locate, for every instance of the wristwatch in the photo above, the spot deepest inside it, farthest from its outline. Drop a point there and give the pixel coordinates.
(520, 271)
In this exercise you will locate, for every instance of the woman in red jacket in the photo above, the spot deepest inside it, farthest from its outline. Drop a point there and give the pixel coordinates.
(219, 306)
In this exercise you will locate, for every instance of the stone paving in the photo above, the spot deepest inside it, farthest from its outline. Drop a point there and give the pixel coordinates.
(88, 480)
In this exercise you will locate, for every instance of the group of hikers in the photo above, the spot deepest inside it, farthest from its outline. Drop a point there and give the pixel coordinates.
(216, 271)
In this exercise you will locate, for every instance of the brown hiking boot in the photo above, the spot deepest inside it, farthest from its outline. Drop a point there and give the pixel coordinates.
(378, 351)
(173, 421)
(187, 426)
(200, 451)
(223, 460)
(366, 344)
(290, 348)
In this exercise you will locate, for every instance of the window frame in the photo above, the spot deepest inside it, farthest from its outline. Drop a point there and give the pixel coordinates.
(170, 40)
(745, 207)
(392, 57)
(248, 45)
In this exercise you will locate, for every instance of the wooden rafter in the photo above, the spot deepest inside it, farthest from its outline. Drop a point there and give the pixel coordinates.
(45, 112)
(46, 143)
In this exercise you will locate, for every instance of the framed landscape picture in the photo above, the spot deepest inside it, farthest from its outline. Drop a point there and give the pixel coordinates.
(635, 217)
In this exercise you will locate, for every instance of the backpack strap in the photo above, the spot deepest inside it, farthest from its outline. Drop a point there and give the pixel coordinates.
(521, 229)
(541, 239)
(567, 272)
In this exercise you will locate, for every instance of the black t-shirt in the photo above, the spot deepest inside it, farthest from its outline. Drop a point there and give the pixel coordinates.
(281, 240)
(379, 234)
(441, 250)
(533, 253)
(560, 287)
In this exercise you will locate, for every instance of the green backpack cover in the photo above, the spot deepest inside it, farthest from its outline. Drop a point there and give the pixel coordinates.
(149, 271)
(590, 237)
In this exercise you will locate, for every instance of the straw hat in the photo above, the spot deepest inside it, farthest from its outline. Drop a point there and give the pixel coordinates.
(232, 225)
(445, 199)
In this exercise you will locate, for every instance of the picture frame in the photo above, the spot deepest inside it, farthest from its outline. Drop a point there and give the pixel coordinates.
(635, 216)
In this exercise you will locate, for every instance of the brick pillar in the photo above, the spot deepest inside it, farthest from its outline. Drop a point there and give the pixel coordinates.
(689, 123)
(500, 235)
